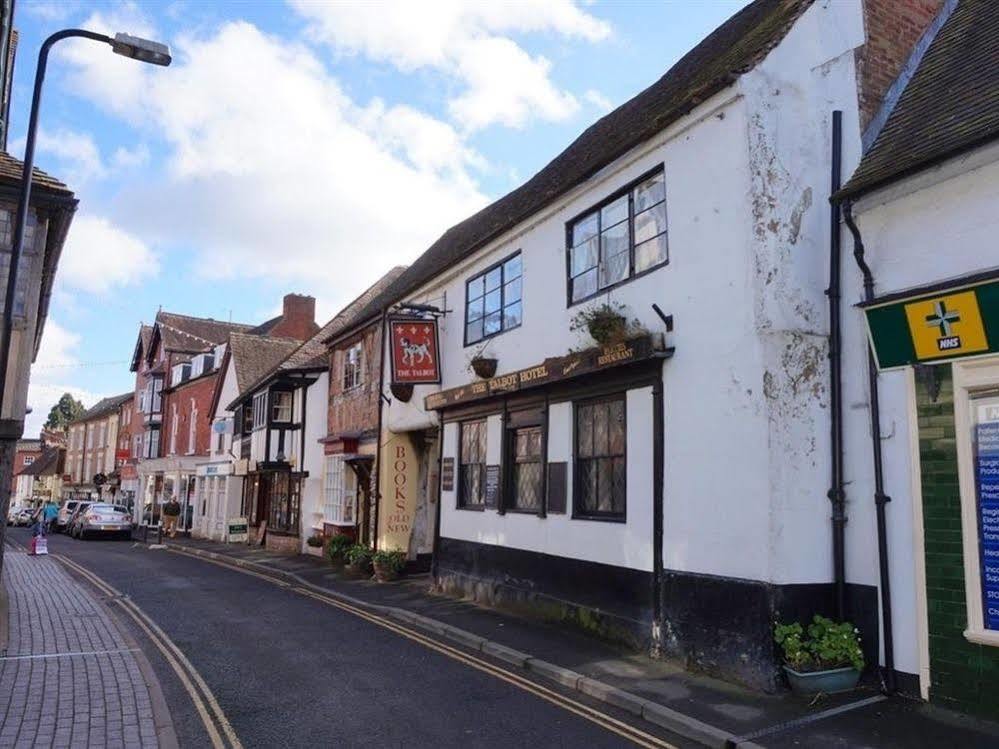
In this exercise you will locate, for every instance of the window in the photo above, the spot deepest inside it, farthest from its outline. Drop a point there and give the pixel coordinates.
(339, 492)
(174, 423)
(599, 482)
(284, 504)
(621, 238)
(493, 300)
(29, 459)
(472, 464)
(153, 439)
(525, 483)
(281, 406)
(259, 410)
(353, 367)
(192, 429)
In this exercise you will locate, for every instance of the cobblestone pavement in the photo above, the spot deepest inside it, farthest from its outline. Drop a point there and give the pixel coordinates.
(68, 679)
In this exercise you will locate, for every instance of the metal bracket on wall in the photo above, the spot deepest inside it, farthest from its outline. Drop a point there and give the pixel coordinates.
(667, 319)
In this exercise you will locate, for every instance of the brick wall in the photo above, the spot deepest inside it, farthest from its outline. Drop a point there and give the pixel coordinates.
(964, 676)
(200, 390)
(298, 318)
(892, 27)
(355, 410)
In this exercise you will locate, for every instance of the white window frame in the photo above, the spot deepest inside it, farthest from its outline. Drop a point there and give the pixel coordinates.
(970, 379)
(259, 410)
(286, 409)
(339, 504)
(28, 460)
(353, 367)
(192, 429)
(173, 428)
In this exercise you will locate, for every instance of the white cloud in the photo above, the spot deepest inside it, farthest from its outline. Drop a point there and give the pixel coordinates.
(51, 371)
(41, 398)
(598, 100)
(129, 158)
(77, 153)
(99, 255)
(49, 11)
(467, 41)
(274, 172)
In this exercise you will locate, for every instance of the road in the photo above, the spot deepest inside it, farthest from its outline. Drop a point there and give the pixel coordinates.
(291, 670)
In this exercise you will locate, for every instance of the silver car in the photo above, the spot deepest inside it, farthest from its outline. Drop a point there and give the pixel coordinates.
(65, 513)
(100, 518)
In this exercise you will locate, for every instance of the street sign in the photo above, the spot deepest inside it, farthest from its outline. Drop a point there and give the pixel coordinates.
(930, 328)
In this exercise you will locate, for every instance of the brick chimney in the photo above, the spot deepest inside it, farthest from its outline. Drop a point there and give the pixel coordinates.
(892, 28)
(298, 318)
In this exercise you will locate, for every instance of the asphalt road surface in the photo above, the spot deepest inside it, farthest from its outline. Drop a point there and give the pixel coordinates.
(289, 670)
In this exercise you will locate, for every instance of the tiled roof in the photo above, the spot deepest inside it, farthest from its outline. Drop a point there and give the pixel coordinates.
(312, 353)
(104, 407)
(47, 464)
(11, 170)
(193, 334)
(950, 105)
(732, 49)
(254, 355)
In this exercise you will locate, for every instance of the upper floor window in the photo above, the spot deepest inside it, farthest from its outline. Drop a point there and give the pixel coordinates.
(259, 410)
(493, 300)
(353, 367)
(29, 459)
(622, 237)
(281, 406)
(192, 429)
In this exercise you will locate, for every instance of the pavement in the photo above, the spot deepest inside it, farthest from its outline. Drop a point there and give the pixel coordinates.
(705, 710)
(68, 676)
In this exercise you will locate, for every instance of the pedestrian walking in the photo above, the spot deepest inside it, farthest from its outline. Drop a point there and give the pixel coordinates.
(49, 513)
(171, 512)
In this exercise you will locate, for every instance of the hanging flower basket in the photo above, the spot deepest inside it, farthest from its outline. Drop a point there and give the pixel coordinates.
(484, 367)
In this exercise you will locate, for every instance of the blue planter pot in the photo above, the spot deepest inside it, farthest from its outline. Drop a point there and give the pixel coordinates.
(829, 682)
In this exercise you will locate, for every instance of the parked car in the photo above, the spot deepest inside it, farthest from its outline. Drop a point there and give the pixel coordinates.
(65, 513)
(12, 512)
(92, 518)
(74, 516)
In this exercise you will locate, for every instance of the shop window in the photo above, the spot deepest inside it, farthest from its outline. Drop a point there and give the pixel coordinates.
(525, 482)
(338, 494)
(281, 401)
(472, 464)
(353, 367)
(493, 300)
(599, 479)
(618, 239)
(285, 498)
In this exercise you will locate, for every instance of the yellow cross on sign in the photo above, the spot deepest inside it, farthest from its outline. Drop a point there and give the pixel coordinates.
(946, 326)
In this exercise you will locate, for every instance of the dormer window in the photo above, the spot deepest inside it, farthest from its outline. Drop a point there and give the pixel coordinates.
(180, 373)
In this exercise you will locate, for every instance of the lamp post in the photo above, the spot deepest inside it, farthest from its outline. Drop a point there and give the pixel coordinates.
(14, 384)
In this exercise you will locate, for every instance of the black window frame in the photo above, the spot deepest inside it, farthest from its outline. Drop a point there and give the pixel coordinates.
(577, 512)
(503, 303)
(462, 502)
(596, 208)
(514, 423)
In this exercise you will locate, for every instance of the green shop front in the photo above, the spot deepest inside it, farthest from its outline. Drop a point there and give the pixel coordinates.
(948, 336)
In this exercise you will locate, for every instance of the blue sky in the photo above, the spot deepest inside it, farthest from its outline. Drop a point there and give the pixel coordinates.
(300, 146)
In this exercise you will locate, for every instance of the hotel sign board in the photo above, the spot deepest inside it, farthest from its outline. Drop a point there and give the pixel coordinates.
(935, 327)
(550, 371)
(415, 349)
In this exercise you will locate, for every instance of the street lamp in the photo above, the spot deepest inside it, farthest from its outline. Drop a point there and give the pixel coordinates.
(16, 353)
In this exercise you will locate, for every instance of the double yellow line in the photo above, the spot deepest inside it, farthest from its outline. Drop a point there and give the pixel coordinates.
(625, 730)
(220, 731)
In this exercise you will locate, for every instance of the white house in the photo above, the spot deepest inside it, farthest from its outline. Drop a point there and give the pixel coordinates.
(922, 212)
(669, 489)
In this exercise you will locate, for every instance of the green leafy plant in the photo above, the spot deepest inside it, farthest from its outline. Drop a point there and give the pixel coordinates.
(606, 323)
(358, 555)
(390, 560)
(824, 645)
(314, 541)
(336, 547)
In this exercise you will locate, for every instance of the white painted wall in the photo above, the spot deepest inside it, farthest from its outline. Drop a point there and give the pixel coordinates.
(316, 404)
(937, 225)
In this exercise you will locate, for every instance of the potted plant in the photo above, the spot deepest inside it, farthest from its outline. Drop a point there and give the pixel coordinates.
(336, 549)
(825, 657)
(606, 324)
(388, 565)
(315, 544)
(359, 560)
(484, 366)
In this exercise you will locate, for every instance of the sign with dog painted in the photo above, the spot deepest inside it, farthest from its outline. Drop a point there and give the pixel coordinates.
(415, 350)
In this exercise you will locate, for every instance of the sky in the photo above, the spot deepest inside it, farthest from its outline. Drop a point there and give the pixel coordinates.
(299, 146)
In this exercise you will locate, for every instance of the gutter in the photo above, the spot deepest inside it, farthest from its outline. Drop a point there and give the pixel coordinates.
(880, 498)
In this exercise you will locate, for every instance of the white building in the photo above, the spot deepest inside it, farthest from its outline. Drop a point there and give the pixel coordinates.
(670, 489)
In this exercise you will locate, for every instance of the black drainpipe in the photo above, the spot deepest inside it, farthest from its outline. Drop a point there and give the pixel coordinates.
(880, 498)
(440, 486)
(658, 467)
(376, 479)
(836, 494)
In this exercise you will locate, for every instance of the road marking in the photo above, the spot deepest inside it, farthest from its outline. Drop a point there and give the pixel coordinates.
(635, 735)
(188, 675)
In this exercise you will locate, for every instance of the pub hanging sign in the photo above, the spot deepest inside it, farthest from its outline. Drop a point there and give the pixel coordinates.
(936, 327)
(415, 348)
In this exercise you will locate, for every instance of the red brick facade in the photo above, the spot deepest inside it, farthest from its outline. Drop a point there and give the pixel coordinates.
(892, 28)
(355, 410)
(193, 401)
(27, 453)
